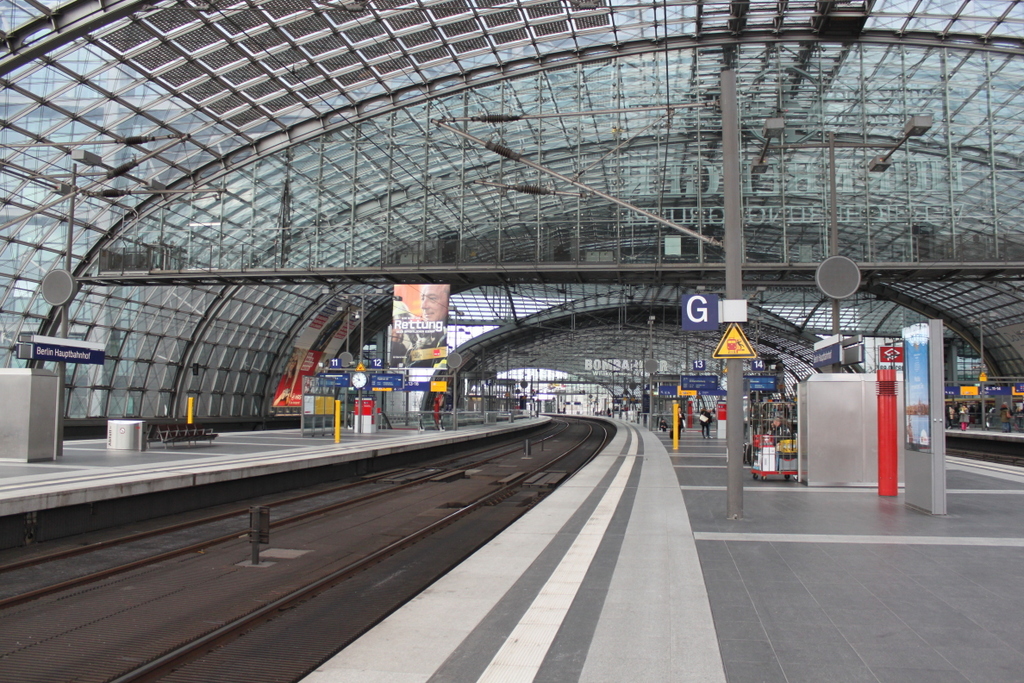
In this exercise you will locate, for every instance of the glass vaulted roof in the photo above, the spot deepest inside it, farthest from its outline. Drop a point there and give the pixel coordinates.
(315, 123)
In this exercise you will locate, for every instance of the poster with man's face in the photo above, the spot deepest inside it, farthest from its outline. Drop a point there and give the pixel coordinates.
(419, 326)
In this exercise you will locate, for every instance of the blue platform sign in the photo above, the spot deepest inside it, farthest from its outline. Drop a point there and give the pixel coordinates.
(951, 390)
(700, 312)
(701, 383)
(997, 391)
(67, 350)
(668, 390)
(827, 356)
(340, 379)
(700, 365)
(757, 365)
(761, 382)
(417, 386)
(386, 381)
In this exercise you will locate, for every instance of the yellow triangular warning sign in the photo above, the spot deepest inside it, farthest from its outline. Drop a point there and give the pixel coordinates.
(360, 368)
(734, 344)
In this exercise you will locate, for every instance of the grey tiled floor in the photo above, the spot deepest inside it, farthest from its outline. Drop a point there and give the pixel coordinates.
(796, 611)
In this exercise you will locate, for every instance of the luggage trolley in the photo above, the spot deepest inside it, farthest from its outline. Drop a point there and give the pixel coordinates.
(772, 448)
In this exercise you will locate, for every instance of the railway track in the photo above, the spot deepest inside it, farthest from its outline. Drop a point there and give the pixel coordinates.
(180, 617)
(289, 508)
(1001, 458)
(1002, 452)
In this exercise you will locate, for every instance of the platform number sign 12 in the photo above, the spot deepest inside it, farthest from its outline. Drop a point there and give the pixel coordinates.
(700, 365)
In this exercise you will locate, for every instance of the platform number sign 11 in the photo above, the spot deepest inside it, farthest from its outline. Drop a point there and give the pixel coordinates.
(700, 365)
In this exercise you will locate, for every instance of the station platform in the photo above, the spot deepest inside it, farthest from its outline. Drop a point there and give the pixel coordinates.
(90, 473)
(630, 571)
(986, 435)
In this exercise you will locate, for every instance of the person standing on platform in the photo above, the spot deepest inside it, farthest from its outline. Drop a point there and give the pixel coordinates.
(780, 428)
(1006, 417)
(438, 404)
(965, 418)
(951, 416)
(705, 423)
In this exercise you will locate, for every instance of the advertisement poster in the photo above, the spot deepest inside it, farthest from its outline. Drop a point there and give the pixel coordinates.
(917, 404)
(326, 329)
(419, 326)
(289, 389)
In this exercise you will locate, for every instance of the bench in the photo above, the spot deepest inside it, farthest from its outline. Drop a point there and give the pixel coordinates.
(182, 433)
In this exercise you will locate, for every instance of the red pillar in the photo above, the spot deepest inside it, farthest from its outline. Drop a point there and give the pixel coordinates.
(888, 465)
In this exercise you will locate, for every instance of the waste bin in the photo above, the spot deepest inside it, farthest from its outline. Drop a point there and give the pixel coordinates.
(126, 435)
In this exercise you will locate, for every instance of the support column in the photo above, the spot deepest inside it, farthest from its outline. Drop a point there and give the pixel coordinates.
(733, 289)
(888, 434)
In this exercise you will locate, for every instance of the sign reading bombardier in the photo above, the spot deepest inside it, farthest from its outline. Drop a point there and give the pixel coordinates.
(734, 344)
(66, 350)
(419, 326)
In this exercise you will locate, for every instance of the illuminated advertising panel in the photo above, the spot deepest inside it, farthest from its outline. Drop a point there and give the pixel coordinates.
(916, 396)
(419, 326)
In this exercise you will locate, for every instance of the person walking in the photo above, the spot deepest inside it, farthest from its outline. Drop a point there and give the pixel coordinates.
(705, 423)
(965, 417)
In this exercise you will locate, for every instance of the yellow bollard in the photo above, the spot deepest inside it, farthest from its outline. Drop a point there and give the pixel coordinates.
(337, 421)
(675, 426)
(191, 408)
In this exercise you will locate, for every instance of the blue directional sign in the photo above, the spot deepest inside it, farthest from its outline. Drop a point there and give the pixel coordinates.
(66, 350)
(334, 380)
(761, 382)
(417, 386)
(700, 383)
(827, 356)
(386, 381)
(700, 312)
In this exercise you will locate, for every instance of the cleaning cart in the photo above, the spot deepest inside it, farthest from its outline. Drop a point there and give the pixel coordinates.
(772, 447)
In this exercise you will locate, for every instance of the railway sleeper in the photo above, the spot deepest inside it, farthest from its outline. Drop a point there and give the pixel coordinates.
(504, 481)
(409, 475)
(449, 476)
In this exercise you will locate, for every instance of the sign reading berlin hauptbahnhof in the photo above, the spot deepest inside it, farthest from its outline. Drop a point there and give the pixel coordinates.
(62, 350)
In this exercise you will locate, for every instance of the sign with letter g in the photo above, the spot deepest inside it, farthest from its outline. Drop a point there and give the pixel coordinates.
(700, 312)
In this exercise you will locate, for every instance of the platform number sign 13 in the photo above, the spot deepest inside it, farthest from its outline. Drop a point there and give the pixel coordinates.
(700, 365)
